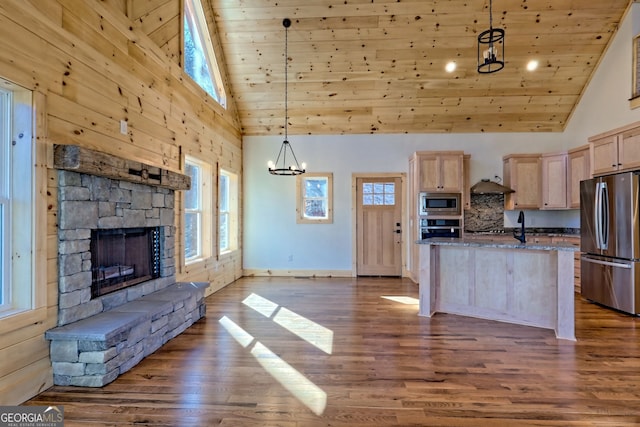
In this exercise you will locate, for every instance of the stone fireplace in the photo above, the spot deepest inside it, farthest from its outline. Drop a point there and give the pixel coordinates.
(118, 300)
(93, 207)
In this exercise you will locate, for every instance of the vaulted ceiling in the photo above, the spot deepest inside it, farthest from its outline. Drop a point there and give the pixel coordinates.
(378, 66)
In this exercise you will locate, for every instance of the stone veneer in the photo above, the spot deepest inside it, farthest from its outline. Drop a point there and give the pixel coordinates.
(89, 202)
(101, 338)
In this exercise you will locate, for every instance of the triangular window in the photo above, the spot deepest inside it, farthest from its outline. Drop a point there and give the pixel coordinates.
(199, 58)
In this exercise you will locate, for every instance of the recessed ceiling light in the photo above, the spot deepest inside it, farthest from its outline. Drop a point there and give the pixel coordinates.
(450, 67)
(532, 65)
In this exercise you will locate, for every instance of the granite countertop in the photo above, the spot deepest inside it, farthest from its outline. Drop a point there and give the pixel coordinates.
(444, 241)
(549, 232)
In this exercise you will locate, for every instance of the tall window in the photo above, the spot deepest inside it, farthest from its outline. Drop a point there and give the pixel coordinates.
(16, 199)
(315, 198)
(5, 223)
(199, 57)
(228, 211)
(197, 211)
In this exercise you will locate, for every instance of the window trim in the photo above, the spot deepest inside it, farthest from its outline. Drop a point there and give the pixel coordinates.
(301, 198)
(233, 210)
(193, 12)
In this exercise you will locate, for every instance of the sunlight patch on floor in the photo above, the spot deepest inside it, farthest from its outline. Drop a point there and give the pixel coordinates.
(313, 333)
(402, 299)
(312, 396)
(294, 381)
(243, 337)
(261, 305)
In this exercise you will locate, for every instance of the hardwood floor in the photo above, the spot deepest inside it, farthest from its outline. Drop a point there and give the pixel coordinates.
(341, 352)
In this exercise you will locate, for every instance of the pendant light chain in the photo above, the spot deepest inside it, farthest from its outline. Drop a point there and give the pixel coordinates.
(490, 14)
(286, 82)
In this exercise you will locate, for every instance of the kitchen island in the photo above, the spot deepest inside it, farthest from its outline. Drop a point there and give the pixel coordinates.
(526, 284)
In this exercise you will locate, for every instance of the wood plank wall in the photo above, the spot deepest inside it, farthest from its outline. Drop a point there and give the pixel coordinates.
(91, 64)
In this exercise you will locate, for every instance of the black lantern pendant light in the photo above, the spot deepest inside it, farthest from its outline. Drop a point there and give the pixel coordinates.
(280, 167)
(491, 48)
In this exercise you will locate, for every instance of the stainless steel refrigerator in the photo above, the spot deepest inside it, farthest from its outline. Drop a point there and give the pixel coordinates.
(610, 241)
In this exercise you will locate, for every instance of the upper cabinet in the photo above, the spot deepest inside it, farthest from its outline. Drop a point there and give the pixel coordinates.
(440, 171)
(522, 173)
(578, 169)
(615, 151)
(554, 181)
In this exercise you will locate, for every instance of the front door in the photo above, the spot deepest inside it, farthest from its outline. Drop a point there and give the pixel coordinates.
(378, 226)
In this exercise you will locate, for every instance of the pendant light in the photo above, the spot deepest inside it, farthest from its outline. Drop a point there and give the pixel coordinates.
(491, 48)
(280, 167)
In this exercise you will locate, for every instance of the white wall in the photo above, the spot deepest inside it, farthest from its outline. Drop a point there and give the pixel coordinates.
(273, 240)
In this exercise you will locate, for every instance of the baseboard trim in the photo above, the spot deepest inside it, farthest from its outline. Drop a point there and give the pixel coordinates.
(296, 273)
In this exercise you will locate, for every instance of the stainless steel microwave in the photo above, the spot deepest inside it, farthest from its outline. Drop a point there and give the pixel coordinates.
(439, 204)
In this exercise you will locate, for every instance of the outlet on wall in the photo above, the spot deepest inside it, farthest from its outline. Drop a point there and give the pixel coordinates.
(290, 258)
(123, 127)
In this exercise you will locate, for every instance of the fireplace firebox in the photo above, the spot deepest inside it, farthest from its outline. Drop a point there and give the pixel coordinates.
(123, 257)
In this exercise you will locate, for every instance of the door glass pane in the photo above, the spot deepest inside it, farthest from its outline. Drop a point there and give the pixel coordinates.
(389, 187)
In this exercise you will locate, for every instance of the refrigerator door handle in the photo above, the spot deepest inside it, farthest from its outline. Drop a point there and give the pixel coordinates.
(597, 214)
(604, 230)
(609, 263)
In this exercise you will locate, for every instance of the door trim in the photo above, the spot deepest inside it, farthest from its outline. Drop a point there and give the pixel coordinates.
(354, 217)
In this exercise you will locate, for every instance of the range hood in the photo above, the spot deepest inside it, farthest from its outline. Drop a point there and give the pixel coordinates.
(485, 186)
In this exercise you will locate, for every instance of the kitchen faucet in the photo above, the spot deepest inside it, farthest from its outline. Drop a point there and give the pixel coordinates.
(520, 221)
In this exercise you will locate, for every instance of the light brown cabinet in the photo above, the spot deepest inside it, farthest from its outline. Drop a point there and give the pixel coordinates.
(441, 171)
(466, 193)
(615, 151)
(578, 169)
(435, 171)
(554, 181)
(522, 173)
(575, 241)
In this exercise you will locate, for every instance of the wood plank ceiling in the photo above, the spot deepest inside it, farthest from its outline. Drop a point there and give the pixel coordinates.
(378, 66)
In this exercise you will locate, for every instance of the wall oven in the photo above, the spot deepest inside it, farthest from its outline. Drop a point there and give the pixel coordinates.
(439, 227)
(439, 204)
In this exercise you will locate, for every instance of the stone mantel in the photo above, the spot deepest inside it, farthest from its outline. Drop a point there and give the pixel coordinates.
(84, 160)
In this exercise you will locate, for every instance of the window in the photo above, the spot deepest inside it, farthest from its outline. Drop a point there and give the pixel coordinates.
(199, 58)
(197, 211)
(228, 211)
(5, 224)
(314, 198)
(16, 199)
(379, 193)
